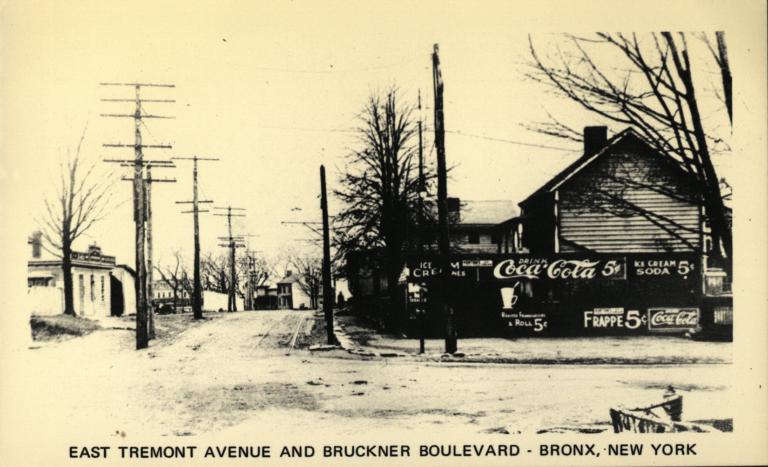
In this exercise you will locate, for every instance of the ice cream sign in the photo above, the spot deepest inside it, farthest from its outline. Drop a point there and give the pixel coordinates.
(560, 268)
(663, 267)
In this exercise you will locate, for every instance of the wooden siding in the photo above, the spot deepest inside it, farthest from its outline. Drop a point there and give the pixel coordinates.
(630, 201)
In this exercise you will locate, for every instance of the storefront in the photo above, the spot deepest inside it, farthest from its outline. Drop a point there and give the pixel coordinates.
(557, 295)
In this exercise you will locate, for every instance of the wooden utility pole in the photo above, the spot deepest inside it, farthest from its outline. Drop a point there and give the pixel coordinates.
(197, 299)
(139, 208)
(422, 187)
(232, 243)
(249, 263)
(442, 206)
(148, 181)
(327, 290)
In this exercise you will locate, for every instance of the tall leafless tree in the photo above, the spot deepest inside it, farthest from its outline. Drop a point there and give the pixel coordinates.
(650, 86)
(309, 273)
(80, 201)
(380, 187)
(214, 272)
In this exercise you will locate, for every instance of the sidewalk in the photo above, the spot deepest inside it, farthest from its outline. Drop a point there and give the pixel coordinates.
(357, 337)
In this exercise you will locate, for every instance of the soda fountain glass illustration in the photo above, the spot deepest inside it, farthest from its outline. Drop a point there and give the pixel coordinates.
(508, 297)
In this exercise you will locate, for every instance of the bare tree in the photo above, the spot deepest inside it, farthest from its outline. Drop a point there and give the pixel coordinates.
(380, 186)
(650, 87)
(79, 202)
(176, 278)
(309, 274)
(254, 268)
(214, 272)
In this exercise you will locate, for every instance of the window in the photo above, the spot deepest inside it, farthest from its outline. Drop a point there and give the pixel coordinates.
(93, 289)
(102, 289)
(81, 289)
(38, 281)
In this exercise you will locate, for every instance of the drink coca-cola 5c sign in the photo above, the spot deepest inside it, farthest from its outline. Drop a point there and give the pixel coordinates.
(560, 268)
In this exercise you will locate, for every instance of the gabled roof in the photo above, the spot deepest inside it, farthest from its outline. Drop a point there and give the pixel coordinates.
(582, 162)
(487, 211)
(289, 279)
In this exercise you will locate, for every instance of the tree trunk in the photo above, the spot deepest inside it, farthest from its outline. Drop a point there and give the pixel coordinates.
(66, 269)
(394, 264)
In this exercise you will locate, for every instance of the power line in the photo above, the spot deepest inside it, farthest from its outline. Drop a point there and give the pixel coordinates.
(509, 141)
(144, 312)
(453, 132)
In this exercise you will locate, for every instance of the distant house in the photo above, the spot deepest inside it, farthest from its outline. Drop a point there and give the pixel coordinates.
(164, 295)
(474, 223)
(265, 297)
(290, 295)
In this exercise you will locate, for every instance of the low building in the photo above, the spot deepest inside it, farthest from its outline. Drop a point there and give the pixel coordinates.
(474, 224)
(290, 294)
(265, 298)
(166, 297)
(616, 243)
(90, 281)
(123, 290)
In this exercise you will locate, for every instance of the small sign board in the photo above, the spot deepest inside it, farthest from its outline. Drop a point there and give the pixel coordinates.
(672, 319)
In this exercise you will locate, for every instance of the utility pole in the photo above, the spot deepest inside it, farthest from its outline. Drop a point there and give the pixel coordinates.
(197, 299)
(442, 205)
(139, 212)
(249, 263)
(148, 181)
(422, 187)
(233, 244)
(327, 291)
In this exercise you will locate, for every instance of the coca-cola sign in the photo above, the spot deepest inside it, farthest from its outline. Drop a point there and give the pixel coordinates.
(559, 268)
(672, 319)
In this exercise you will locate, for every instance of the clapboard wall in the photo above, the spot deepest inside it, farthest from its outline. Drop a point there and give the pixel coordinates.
(629, 200)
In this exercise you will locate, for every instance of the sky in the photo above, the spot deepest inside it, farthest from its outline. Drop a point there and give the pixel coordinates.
(273, 91)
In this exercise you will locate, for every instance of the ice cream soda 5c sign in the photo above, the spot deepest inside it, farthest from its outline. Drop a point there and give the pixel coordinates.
(560, 268)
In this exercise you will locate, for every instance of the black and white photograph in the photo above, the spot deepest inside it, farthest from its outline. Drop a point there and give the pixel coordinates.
(383, 233)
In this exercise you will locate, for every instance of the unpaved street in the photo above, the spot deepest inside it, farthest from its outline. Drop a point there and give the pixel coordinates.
(254, 370)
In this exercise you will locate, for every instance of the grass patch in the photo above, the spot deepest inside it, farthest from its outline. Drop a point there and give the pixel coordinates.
(59, 327)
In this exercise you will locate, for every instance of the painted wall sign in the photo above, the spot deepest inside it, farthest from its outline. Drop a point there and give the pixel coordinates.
(672, 319)
(663, 267)
(536, 322)
(431, 268)
(477, 263)
(612, 318)
(560, 268)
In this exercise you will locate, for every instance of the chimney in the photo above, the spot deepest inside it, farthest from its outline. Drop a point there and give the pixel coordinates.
(36, 241)
(288, 273)
(595, 139)
(453, 206)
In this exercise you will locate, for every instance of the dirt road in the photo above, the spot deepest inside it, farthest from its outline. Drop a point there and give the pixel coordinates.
(252, 370)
